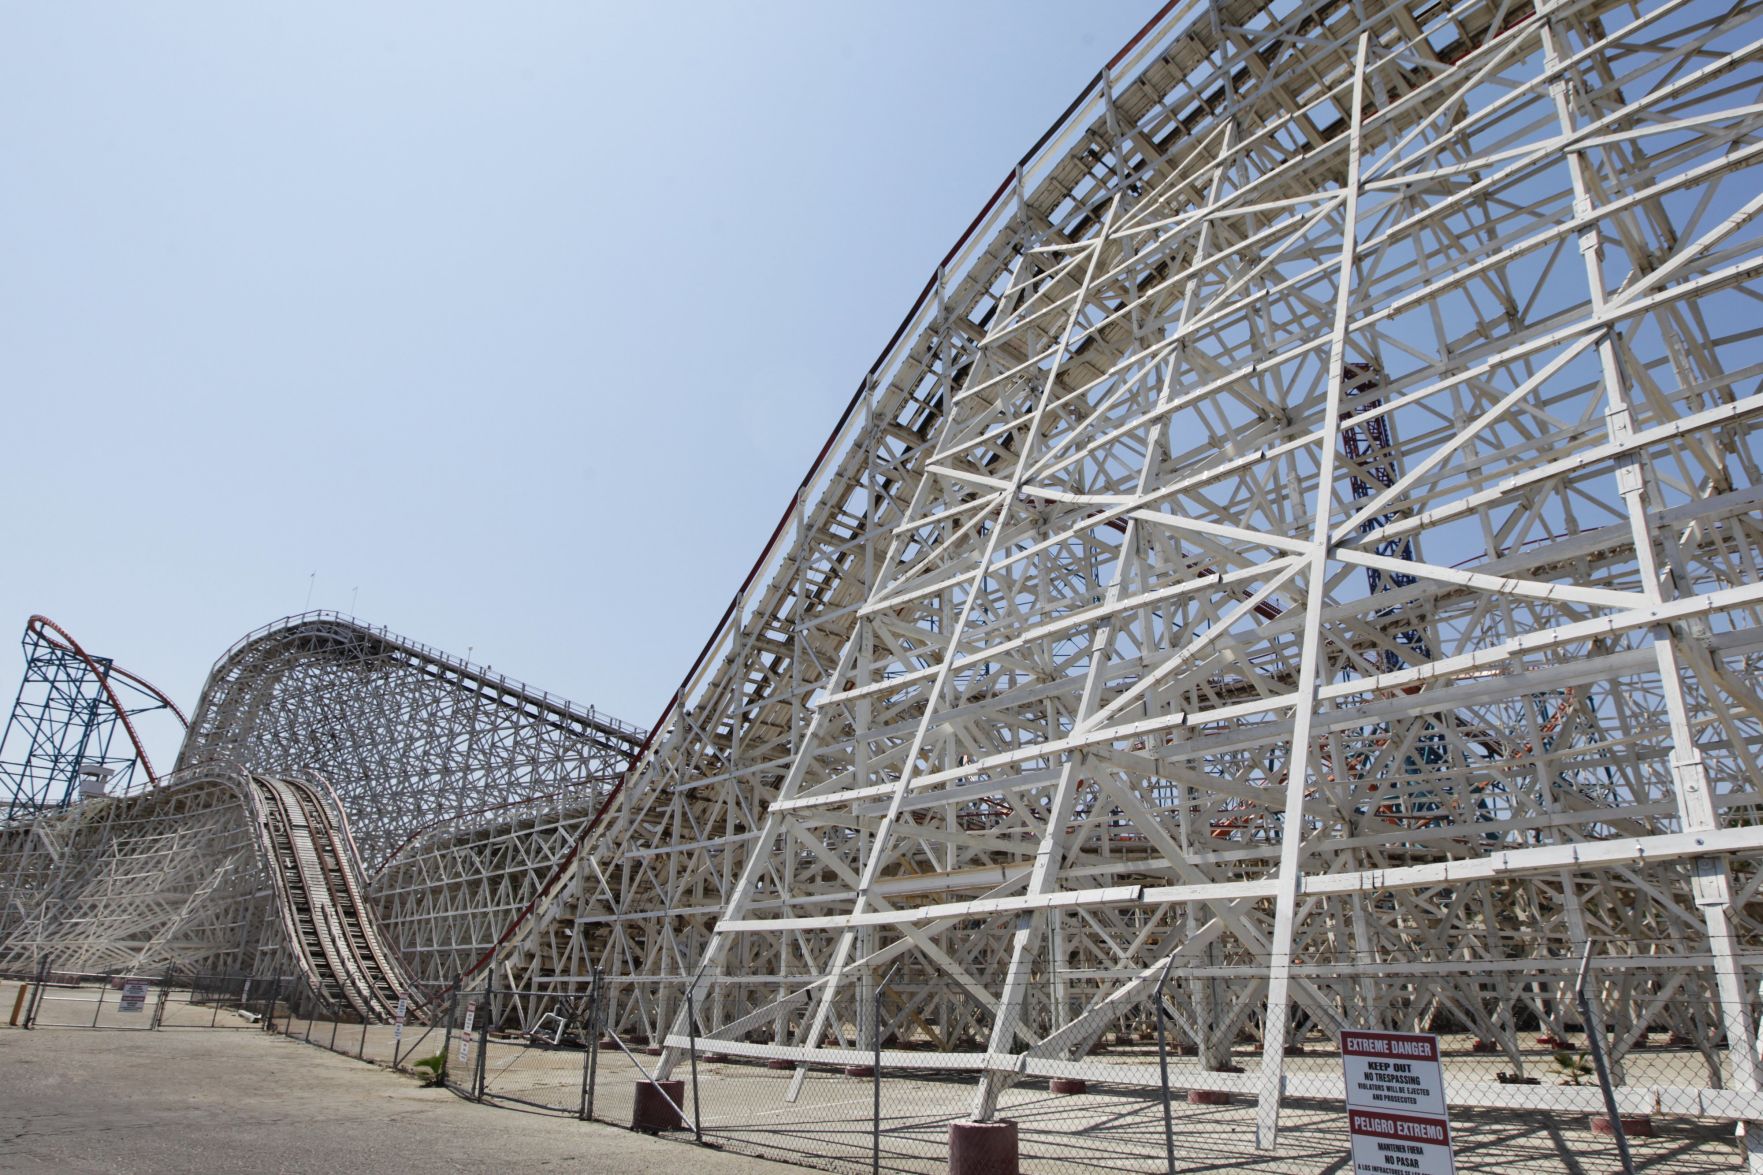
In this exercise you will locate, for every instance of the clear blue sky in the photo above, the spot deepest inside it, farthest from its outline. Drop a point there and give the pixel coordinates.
(524, 319)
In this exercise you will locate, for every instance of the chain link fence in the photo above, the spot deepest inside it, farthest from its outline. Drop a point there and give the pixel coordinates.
(51, 998)
(1610, 1062)
(526, 1047)
(413, 1043)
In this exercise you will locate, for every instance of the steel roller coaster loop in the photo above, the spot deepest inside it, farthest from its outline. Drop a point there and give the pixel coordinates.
(55, 636)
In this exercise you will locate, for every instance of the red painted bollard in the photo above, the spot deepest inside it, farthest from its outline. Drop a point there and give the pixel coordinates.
(1633, 1125)
(653, 1111)
(983, 1148)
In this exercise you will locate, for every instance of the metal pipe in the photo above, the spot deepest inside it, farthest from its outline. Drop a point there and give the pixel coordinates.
(692, 1050)
(1163, 1069)
(1594, 1032)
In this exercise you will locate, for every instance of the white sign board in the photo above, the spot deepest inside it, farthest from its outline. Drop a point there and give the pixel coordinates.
(1396, 1104)
(465, 1033)
(134, 997)
(1396, 1071)
(398, 1020)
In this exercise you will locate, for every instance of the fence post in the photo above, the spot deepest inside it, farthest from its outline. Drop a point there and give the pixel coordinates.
(30, 1016)
(103, 986)
(447, 1035)
(599, 1022)
(275, 991)
(591, 1045)
(159, 1004)
(400, 1016)
(483, 1035)
(214, 1018)
(1163, 1069)
(875, 1034)
(692, 1050)
(1594, 1037)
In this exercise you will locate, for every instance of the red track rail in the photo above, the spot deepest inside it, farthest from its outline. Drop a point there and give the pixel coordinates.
(58, 637)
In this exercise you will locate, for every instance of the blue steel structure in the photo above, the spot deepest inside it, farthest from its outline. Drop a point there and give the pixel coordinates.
(1370, 450)
(61, 738)
(1371, 461)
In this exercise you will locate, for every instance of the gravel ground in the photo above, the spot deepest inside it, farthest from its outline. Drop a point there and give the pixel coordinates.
(239, 1101)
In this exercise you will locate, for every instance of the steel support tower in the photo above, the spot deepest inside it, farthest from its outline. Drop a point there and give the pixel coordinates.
(60, 741)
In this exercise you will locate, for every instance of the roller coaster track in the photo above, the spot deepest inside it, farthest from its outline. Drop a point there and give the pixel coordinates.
(1126, 631)
(332, 933)
(57, 636)
(60, 729)
(312, 693)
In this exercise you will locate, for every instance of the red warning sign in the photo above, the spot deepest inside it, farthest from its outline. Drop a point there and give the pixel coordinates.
(1396, 1104)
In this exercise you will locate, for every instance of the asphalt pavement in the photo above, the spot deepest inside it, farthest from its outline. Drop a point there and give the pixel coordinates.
(237, 1101)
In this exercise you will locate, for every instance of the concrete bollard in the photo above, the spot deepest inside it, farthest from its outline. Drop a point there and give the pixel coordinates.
(651, 1112)
(983, 1148)
(1633, 1125)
